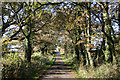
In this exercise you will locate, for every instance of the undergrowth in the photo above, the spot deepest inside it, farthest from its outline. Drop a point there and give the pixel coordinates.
(104, 71)
(14, 66)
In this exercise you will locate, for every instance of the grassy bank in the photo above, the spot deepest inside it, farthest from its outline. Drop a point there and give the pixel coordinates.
(16, 67)
(104, 71)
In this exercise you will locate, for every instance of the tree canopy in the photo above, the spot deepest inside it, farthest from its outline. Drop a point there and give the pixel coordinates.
(90, 30)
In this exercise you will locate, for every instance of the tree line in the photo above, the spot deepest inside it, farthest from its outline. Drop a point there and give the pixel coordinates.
(91, 30)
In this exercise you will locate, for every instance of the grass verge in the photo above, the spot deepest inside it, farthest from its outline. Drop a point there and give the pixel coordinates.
(104, 71)
(14, 66)
(46, 66)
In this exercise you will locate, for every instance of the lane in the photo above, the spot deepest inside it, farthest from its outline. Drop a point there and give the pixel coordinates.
(58, 69)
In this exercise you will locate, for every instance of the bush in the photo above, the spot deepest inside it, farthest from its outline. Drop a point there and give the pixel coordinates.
(103, 71)
(11, 64)
(16, 67)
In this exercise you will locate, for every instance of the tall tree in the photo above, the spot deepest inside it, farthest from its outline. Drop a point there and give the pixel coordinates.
(89, 34)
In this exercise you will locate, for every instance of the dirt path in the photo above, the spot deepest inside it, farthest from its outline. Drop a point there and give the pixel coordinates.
(58, 70)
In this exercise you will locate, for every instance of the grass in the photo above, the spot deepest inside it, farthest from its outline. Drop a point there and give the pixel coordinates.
(43, 68)
(104, 71)
(16, 67)
(47, 65)
(65, 60)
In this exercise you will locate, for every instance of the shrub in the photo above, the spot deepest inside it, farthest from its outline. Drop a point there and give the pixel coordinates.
(16, 67)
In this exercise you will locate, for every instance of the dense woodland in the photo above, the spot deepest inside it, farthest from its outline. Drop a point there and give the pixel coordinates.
(87, 34)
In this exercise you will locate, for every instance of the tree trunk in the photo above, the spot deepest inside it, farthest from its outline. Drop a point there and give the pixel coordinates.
(76, 46)
(108, 54)
(43, 49)
(85, 51)
(119, 32)
(29, 51)
(82, 52)
(103, 48)
(89, 34)
(66, 49)
(29, 44)
(77, 52)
